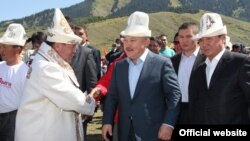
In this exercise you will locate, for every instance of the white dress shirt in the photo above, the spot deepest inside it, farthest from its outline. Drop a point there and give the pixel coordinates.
(184, 72)
(211, 65)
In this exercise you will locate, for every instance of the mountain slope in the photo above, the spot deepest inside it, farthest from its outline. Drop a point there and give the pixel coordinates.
(239, 9)
(103, 33)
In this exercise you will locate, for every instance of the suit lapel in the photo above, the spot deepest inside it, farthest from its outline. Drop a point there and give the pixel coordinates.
(147, 67)
(203, 75)
(124, 77)
(199, 62)
(176, 62)
(219, 68)
(199, 59)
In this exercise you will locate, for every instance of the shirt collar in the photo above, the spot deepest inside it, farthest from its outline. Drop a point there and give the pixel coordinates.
(195, 53)
(83, 44)
(142, 58)
(216, 58)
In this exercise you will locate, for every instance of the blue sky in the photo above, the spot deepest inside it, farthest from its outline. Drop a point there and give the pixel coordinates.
(15, 9)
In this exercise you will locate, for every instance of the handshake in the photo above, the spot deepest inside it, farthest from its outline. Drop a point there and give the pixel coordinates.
(95, 92)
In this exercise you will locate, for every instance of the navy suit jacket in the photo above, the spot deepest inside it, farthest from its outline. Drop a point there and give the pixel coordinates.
(227, 100)
(156, 98)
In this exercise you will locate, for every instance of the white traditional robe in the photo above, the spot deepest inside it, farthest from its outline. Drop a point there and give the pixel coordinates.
(51, 103)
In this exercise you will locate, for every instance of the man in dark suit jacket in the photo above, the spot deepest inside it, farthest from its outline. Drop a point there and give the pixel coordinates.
(82, 32)
(97, 57)
(144, 86)
(84, 66)
(220, 88)
(185, 63)
(83, 63)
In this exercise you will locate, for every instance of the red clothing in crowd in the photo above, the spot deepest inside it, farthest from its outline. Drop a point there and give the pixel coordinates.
(104, 82)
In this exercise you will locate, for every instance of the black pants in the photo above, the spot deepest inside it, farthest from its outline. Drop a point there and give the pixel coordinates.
(183, 118)
(182, 121)
(7, 126)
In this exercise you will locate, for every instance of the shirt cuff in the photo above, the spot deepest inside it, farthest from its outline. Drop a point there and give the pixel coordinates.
(168, 125)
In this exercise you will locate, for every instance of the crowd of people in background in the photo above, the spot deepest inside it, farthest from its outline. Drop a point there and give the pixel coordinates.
(52, 83)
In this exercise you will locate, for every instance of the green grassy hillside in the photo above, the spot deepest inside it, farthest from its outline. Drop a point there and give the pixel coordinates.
(103, 33)
(115, 8)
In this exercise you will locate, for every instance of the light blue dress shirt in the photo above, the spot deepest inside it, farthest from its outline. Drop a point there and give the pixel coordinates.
(134, 72)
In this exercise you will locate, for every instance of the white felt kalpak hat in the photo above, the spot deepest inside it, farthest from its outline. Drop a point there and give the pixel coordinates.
(60, 31)
(138, 25)
(14, 35)
(211, 25)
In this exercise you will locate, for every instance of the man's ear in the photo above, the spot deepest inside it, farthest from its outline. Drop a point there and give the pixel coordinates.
(147, 42)
(19, 49)
(223, 37)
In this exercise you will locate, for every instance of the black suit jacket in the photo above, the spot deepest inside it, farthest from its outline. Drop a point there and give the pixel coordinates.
(155, 101)
(227, 100)
(97, 57)
(84, 66)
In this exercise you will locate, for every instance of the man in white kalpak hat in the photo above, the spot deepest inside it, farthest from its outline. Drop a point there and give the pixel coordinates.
(144, 88)
(220, 90)
(12, 78)
(52, 102)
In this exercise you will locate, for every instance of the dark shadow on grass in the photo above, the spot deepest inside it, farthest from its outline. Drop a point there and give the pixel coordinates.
(98, 117)
(96, 122)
